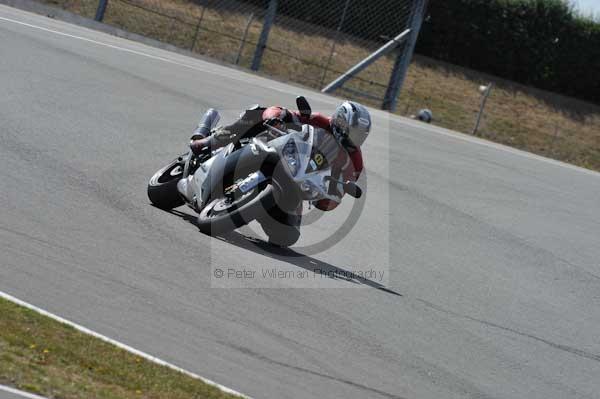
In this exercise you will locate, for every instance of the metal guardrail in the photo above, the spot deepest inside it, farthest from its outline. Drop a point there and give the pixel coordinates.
(374, 56)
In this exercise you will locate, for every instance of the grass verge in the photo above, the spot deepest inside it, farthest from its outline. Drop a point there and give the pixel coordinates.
(48, 358)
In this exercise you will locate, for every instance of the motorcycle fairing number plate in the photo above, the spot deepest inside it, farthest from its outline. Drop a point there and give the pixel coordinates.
(250, 182)
(317, 161)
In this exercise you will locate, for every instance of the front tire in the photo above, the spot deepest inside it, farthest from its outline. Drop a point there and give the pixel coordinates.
(282, 228)
(217, 218)
(162, 187)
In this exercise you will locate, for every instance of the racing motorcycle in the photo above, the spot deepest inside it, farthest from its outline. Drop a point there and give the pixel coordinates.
(259, 177)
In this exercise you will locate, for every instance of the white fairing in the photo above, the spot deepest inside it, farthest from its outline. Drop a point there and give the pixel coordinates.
(314, 185)
(313, 181)
(200, 176)
(192, 186)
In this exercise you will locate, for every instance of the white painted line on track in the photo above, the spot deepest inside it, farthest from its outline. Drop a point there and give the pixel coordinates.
(22, 394)
(155, 57)
(98, 42)
(329, 99)
(118, 344)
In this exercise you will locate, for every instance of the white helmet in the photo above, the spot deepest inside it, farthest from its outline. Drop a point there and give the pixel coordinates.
(351, 123)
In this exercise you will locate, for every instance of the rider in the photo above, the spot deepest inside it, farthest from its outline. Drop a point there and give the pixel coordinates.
(349, 125)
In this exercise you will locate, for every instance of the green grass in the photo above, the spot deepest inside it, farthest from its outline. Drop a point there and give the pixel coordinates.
(515, 115)
(42, 356)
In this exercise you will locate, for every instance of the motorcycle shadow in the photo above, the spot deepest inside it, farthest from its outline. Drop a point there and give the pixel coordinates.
(288, 255)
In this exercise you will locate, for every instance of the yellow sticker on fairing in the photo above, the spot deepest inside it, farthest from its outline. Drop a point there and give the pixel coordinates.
(319, 159)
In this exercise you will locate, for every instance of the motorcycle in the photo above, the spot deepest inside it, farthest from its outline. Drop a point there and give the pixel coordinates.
(265, 177)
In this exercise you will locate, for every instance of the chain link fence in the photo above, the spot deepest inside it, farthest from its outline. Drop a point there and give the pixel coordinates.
(315, 50)
(533, 120)
(311, 42)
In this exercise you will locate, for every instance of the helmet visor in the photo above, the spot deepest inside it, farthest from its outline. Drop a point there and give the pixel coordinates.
(341, 127)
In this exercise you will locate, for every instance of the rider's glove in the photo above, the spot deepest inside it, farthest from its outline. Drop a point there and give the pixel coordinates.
(325, 204)
(200, 146)
(277, 123)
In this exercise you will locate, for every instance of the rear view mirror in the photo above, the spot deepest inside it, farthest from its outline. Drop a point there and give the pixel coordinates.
(352, 189)
(303, 107)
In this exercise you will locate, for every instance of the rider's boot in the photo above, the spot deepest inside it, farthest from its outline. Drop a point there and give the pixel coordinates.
(207, 124)
(248, 122)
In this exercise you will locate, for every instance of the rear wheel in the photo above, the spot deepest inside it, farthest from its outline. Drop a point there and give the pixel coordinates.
(162, 187)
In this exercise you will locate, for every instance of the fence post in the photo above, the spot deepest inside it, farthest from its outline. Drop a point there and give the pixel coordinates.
(553, 143)
(244, 37)
(101, 10)
(404, 57)
(335, 38)
(264, 35)
(195, 39)
(485, 92)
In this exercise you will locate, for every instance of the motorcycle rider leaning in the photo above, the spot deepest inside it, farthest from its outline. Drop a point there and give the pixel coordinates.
(349, 125)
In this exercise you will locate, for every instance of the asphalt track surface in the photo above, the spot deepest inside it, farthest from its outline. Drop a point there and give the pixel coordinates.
(12, 393)
(7, 395)
(493, 255)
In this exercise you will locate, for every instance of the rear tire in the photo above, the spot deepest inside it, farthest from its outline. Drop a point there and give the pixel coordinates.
(162, 187)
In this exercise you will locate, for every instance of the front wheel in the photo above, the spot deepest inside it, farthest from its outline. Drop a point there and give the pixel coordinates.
(162, 187)
(282, 228)
(223, 214)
